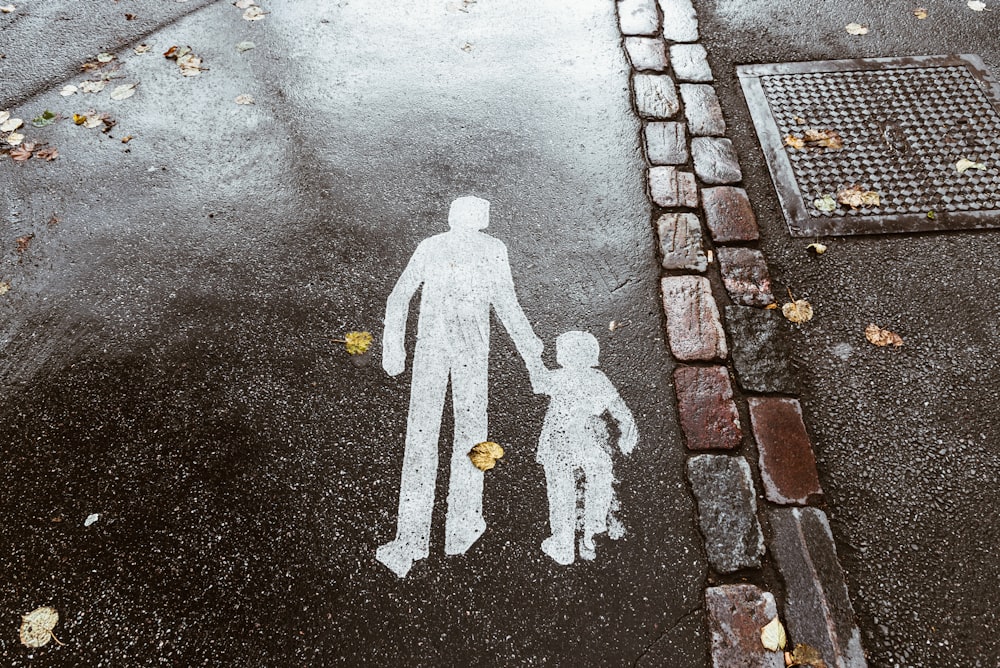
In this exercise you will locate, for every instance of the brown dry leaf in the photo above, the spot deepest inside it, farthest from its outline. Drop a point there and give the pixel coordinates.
(48, 154)
(484, 455)
(357, 343)
(855, 197)
(795, 142)
(21, 153)
(882, 337)
(825, 138)
(131, 17)
(37, 625)
(23, 243)
(856, 29)
(804, 655)
(772, 306)
(127, 138)
(920, 13)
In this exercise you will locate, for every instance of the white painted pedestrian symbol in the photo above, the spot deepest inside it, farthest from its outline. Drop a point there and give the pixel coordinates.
(462, 273)
(575, 444)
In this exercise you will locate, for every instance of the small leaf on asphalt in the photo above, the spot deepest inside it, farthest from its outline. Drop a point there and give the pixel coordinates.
(254, 13)
(931, 215)
(797, 311)
(816, 248)
(142, 48)
(48, 154)
(105, 57)
(23, 243)
(37, 625)
(7, 9)
(805, 656)
(795, 142)
(124, 92)
(825, 203)
(91, 518)
(244, 4)
(920, 13)
(4, 115)
(68, 90)
(190, 65)
(856, 29)
(772, 636)
(11, 124)
(357, 342)
(45, 118)
(882, 337)
(4, 287)
(484, 455)
(965, 164)
(977, 5)
(79, 119)
(92, 86)
(14, 138)
(245, 46)
(127, 138)
(21, 153)
(244, 99)
(131, 17)
(856, 197)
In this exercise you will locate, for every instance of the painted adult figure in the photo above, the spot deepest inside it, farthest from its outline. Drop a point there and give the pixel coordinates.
(463, 273)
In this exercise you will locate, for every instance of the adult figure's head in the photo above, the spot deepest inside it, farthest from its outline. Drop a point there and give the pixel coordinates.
(577, 350)
(469, 214)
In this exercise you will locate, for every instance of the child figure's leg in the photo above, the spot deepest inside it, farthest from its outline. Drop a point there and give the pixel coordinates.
(562, 512)
(598, 496)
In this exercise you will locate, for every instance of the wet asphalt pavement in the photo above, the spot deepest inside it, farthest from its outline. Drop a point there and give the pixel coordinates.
(165, 353)
(905, 439)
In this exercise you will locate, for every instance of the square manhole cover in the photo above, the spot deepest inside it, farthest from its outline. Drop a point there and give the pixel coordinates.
(904, 125)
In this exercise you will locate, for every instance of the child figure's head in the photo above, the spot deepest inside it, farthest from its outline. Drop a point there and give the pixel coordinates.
(577, 350)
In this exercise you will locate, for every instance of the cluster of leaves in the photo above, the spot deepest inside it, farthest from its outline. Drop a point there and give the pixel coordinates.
(93, 119)
(815, 139)
(252, 12)
(853, 196)
(188, 62)
(774, 639)
(13, 143)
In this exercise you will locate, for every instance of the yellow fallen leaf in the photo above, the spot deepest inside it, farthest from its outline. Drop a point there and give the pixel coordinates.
(804, 655)
(484, 455)
(37, 625)
(770, 307)
(965, 164)
(797, 311)
(357, 342)
(772, 636)
(4, 287)
(882, 337)
(795, 142)
(920, 13)
(79, 119)
(817, 248)
(856, 29)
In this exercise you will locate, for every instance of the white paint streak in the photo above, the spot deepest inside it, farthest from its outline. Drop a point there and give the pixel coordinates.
(462, 273)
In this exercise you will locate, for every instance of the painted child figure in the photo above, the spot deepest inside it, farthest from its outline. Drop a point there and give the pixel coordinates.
(574, 439)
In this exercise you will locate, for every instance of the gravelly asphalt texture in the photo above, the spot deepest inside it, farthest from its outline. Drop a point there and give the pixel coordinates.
(165, 357)
(905, 439)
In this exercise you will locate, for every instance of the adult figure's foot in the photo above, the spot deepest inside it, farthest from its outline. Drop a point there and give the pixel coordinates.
(398, 556)
(560, 549)
(459, 536)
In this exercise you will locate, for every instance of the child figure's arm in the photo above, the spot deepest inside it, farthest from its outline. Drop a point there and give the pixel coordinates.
(626, 425)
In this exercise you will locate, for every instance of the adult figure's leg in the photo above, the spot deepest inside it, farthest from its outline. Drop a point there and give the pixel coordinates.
(561, 489)
(469, 396)
(420, 460)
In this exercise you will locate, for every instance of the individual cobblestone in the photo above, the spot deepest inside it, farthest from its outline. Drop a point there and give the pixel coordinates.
(702, 110)
(655, 96)
(736, 614)
(680, 241)
(817, 609)
(680, 22)
(787, 463)
(760, 351)
(638, 17)
(666, 143)
(646, 53)
(670, 187)
(715, 160)
(708, 415)
(690, 62)
(728, 214)
(745, 275)
(693, 325)
(727, 511)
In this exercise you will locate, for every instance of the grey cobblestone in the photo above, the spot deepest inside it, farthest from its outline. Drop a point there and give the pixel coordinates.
(702, 110)
(670, 187)
(715, 160)
(646, 53)
(680, 241)
(690, 62)
(680, 22)
(666, 143)
(760, 351)
(727, 511)
(655, 96)
(745, 275)
(638, 17)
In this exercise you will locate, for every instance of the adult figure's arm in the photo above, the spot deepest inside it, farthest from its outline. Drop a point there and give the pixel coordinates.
(508, 309)
(397, 308)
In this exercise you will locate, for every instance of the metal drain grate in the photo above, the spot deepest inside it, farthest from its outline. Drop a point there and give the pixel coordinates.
(904, 124)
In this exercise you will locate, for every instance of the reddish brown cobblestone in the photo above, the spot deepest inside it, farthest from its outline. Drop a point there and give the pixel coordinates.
(670, 187)
(693, 324)
(745, 275)
(728, 214)
(787, 463)
(736, 614)
(708, 415)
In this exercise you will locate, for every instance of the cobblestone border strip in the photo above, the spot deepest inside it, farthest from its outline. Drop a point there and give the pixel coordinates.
(693, 181)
